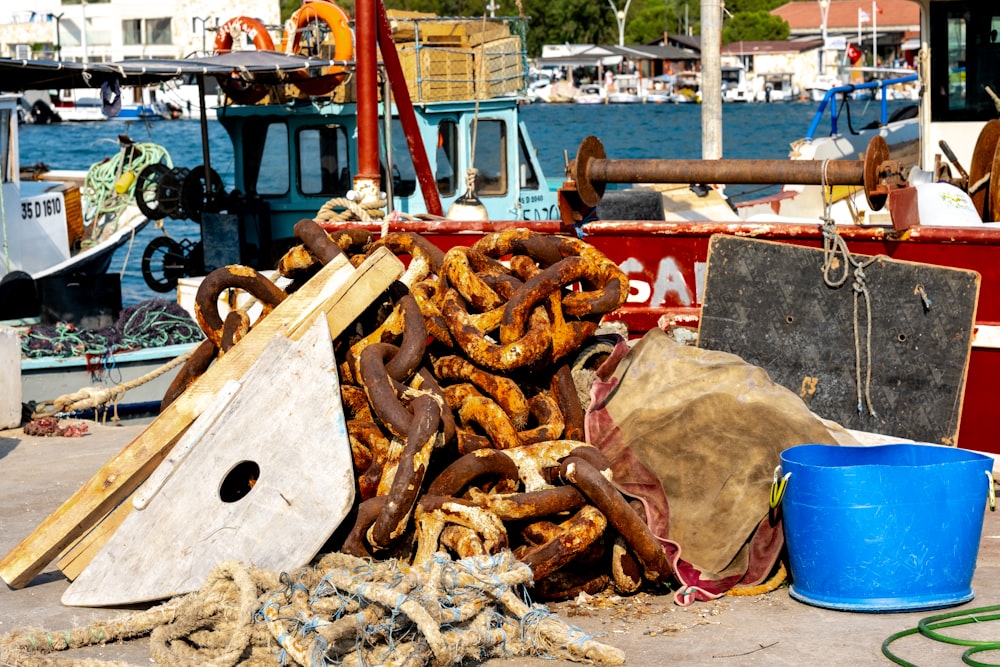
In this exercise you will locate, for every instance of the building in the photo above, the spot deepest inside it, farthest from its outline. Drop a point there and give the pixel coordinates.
(890, 29)
(110, 30)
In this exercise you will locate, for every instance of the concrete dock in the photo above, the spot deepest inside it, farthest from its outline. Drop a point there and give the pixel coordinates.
(37, 474)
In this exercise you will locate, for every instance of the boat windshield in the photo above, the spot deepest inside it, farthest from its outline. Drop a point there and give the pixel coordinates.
(325, 146)
(968, 80)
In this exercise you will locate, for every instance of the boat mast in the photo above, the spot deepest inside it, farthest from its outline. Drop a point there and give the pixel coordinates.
(366, 180)
(711, 79)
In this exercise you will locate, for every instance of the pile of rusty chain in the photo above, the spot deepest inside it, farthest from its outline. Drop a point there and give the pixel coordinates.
(465, 425)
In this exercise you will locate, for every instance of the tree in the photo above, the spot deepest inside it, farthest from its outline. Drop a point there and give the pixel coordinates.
(754, 26)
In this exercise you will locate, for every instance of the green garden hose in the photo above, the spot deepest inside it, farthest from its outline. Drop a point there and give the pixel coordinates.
(929, 626)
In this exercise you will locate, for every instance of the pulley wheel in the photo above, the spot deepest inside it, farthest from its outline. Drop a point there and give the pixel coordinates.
(168, 192)
(982, 163)
(163, 264)
(876, 153)
(146, 191)
(590, 149)
(197, 195)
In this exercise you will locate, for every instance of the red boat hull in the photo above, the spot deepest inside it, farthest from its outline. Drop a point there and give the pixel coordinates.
(665, 262)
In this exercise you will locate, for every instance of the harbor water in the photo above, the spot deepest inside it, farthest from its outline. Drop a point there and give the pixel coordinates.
(640, 131)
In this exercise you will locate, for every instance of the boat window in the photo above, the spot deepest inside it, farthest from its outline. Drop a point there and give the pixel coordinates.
(967, 81)
(324, 166)
(447, 158)
(490, 158)
(266, 158)
(404, 174)
(529, 179)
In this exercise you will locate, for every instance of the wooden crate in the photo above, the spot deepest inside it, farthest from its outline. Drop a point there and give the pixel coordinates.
(435, 74)
(499, 67)
(432, 31)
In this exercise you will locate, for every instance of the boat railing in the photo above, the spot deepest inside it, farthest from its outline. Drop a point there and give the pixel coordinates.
(880, 85)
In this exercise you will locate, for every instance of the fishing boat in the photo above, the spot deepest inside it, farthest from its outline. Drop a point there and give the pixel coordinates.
(61, 229)
(276, 151)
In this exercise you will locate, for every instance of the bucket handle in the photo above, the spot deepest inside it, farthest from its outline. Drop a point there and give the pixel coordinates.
(992, 493)
(780, 482)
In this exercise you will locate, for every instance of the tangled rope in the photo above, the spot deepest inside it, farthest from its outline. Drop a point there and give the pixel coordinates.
(107, 194)
(346, 611)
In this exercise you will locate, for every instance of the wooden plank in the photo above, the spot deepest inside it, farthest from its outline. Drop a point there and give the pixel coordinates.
(768, 303)
(78, 555)
(263, 491)
(120, 477)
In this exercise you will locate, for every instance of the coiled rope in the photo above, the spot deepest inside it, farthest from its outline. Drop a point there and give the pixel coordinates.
(104, 204)
(345, 611)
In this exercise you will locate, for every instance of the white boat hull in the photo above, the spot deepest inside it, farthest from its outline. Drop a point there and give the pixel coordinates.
(50, 378)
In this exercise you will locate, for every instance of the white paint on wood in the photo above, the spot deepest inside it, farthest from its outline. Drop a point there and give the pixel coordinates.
(287, 419)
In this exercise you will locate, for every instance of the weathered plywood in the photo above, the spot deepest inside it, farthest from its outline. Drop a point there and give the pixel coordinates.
(768, 303)
(268, 483)
(335, 291)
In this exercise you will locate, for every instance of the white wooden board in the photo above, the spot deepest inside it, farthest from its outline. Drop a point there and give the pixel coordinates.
(287, 420)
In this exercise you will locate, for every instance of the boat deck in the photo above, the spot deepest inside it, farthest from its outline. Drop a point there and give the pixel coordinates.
(772, 629)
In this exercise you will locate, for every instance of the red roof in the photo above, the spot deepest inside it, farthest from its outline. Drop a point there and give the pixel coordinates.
(843, 14)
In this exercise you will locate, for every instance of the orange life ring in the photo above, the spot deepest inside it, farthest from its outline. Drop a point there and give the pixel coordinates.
(235, 88)
(343, 42)
(245, 25)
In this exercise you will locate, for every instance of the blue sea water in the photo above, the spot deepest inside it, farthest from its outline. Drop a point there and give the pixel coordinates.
(664, 131)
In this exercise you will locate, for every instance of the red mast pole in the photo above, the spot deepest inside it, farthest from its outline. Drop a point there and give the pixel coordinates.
(407, 117)
(366, 180)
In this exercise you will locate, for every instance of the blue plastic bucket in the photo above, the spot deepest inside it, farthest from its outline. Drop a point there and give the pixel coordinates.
(886, 528)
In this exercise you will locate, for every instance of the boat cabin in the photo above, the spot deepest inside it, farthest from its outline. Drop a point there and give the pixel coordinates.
(292, 159)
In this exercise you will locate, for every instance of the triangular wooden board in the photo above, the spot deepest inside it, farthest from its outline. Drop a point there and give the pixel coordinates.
(267, 484)
(339, 291)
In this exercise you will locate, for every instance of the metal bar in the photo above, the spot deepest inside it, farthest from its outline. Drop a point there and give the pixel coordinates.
(367, 63)
(802, 172)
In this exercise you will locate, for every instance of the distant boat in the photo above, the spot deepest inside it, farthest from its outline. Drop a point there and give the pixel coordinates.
(72, 105)
(778, 87)
(687, 88)
(821, 85)
(627, 90)
(590, 93)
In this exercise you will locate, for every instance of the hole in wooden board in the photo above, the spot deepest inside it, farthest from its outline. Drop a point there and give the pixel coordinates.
(239, 481)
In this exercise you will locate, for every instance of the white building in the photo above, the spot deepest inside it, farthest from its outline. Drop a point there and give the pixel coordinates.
(110, 30)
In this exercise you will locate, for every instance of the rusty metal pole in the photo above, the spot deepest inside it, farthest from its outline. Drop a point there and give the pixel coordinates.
(803, 172)
(591, 171)
(407, 116)
(366, 180)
